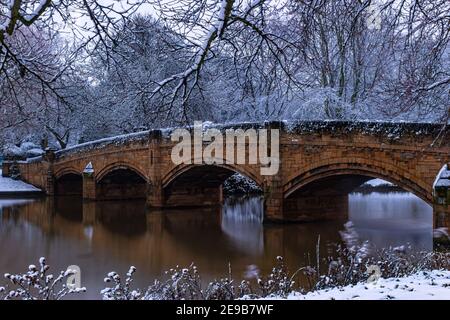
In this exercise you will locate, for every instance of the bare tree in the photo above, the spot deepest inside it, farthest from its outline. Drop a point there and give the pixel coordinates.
(240, 30)
(75, 67)
(88, 24)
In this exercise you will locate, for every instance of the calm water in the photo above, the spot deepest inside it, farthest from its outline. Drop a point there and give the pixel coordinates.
(105, 236)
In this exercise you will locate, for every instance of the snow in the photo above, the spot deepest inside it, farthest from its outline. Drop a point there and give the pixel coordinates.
(442, 183)
(35, 152)
(96, 144)
(392, 130)
(440, 233)
(89, 168)
(424, 285)
(11, 185)
(26, 149)
(7, 15)
(36, 11)
(378, 182)
(444, 172)
(443, 178)
(223, 12)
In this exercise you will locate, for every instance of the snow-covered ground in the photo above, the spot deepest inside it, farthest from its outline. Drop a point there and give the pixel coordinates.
(424, 285)
(8, 185)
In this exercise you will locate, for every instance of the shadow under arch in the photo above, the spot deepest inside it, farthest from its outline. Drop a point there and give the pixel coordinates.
(69, 183)
(67, 170)
(121, 181)
(119, 166)
(183, 168)
(316, 174)
(195, 185)
(321, 192)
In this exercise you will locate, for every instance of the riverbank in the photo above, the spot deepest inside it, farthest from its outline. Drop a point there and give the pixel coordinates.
(15, 188)
(423, 285)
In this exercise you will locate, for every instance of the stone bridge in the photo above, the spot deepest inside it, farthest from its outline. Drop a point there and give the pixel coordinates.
(320, 163)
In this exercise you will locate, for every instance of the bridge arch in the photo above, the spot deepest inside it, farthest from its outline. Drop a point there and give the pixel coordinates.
(119, 166)
(359, 167)
(190, 185)
(179, 170)
(68, 182)
(67, 170)
(122, 181)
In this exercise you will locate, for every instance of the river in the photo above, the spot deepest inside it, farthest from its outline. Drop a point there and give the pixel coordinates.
(106, 236)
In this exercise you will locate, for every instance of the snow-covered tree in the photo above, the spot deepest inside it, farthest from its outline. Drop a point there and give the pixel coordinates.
(72, 71)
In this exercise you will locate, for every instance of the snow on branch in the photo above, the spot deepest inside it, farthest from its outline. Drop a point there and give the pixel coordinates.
(29, 18)
(15, 11)
(225, 14)
(6, 15)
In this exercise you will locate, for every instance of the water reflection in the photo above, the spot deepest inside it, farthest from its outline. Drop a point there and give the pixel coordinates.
(105, 236)
(242, 223)
(391, 219)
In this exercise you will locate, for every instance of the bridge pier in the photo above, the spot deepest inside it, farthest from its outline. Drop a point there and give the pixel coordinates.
(155, 195)
(441, 207)
(49, 159)
(273, 200)
(441, 216)
(441, 226)
(89, 186)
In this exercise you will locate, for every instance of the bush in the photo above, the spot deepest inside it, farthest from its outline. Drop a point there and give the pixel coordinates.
(354, 258)
(26, 150)
(38, 284)
(185, 284)
(239, 185)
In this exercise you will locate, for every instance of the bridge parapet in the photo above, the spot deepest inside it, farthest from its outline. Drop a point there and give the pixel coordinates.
(92, 146)
(387, 130)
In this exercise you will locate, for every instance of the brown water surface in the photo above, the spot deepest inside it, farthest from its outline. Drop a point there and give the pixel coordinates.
(105, 236)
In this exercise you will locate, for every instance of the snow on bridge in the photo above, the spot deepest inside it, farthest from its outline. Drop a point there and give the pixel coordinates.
(391, 130)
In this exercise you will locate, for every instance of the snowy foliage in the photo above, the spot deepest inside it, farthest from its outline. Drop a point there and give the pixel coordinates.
(238, 184)
(181, 283)
(352, 261)
(119, 290)
(24, 151)
(38, 284)
(218, 60)
(347, 267)
(185, 284)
